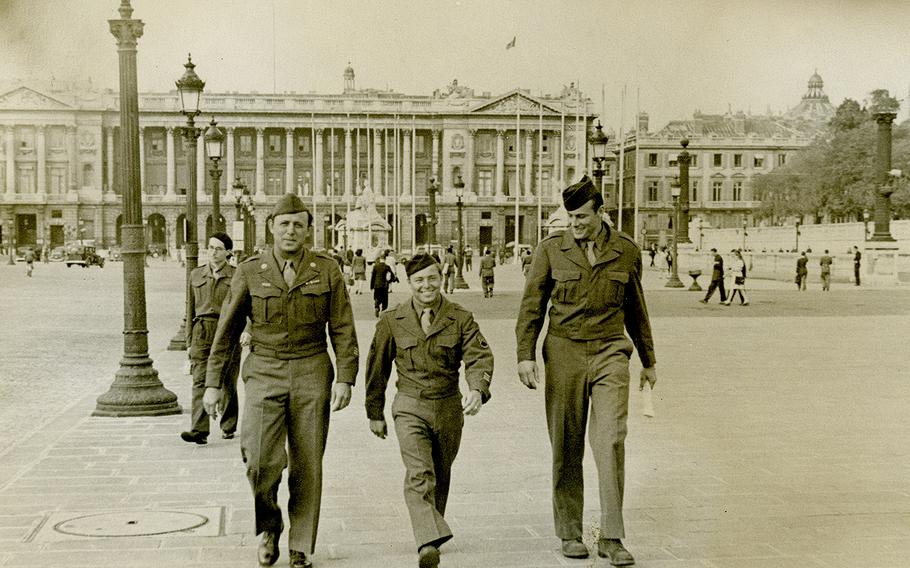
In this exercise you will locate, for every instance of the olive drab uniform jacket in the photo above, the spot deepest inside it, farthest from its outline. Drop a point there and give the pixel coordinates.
(288, 322)
(586, 302)
(208, 294)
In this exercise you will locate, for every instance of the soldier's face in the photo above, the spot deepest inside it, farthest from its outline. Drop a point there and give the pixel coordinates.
(584, 221)
(289, 231)
(217, 252)
(425, 284)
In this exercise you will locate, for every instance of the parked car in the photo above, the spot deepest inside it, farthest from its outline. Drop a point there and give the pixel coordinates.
(58, 254)
(114, 255)
(83, 255)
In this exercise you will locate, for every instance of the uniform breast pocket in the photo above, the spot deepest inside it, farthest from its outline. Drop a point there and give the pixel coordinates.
(311, 303)
(446, 349)
(566, 289)
(266, 304)
(614, 287)
(405, 348)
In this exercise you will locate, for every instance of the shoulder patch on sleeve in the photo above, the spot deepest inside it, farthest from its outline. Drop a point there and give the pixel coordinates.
(251, 258)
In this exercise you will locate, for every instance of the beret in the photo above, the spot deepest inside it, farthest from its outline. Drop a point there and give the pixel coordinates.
(579, 193)
(289, 204)
(418, 263)
(225, 240)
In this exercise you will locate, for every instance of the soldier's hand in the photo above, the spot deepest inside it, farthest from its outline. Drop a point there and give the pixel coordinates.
(245, 339)
(471, 402)
(211, 401)
(341, 396)
(527, 373)
(379, 429)
(649, 375)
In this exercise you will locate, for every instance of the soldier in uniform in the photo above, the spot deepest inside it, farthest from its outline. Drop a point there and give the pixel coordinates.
(590, 275)
(427, 337)
(296, 301)
(210, 284)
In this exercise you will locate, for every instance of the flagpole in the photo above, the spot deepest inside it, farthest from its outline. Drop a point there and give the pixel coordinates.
(332, 185)
(539, 169)
(635, 228)
(517, 170)
(385, 185)
(562, 143)
(313, 174)
(413, 174)
(622, 148)
(396, 205)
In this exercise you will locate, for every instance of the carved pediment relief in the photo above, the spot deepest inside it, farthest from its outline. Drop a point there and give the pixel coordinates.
(514, 102)
(29, 99)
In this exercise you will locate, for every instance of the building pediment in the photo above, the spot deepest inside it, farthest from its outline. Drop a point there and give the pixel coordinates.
(24, 98)
(513, 102)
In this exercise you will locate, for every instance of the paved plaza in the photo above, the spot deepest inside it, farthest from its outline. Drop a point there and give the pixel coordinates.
(780, 439)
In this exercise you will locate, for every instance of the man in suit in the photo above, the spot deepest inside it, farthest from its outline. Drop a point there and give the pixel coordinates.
(717, 279)
(590, 276)
(427, 337)
(857, 259)
(296, 302)
(380, 280)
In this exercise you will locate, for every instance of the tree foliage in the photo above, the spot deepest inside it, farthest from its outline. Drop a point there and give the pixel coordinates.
(835, 176)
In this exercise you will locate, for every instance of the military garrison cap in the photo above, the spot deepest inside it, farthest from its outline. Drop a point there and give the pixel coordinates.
(579, 193)
(288, 204)
(418, 263)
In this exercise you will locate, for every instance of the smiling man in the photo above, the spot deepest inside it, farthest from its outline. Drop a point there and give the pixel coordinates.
(296, 302)
(590, 276)
(427, 337)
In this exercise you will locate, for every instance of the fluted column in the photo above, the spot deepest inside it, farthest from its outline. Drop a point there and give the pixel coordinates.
(229, 168)
(557, 163)
(348, 163)
(434, 162)
(318, 183)
(201, 167)
(468, 171)
(529, 159)
(500, 160)
(289, 185)
(109, 133)
(10, 160)
(72, 159)
(171, 165)
(260, 162)
(41, 150)
(406, 163)
(377, 162)
(142, 160)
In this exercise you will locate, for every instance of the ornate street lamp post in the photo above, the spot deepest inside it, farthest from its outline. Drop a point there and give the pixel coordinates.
(598, 141)
(136, 390)
(459, 275)
(11, 243)
(684, 159)
(745, 234)
(674, 281)
(431, 222)
(798, 233)
(243, 201)
(886, 177)
(865, 224)
(214, 147)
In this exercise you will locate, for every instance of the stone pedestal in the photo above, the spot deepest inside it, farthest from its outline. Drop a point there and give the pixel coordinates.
(879, 264)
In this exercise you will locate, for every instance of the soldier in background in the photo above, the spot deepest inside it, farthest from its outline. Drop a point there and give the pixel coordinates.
(487, 273)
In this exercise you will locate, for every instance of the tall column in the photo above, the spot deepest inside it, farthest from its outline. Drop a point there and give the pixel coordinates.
(289, 182)
(260, 162)
(529, 158)
(41, 150)
(10, 160)
(500, 160)
(171, 164)
(318, 183)
(201, 167)
(377, 162)
(406, 163)
(72, 159)
(557, 163)
(142, 160)
(229, 169)
(109, 133)
(348, 163)
(434, 162)
(682, 230)
(885, 184)
(468, 170)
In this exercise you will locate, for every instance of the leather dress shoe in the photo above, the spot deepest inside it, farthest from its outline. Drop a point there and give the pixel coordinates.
(268, 548)
(299, 560)
(194, 438)
(428, 556)
(574, 548)
(227, 435)
(613, 549)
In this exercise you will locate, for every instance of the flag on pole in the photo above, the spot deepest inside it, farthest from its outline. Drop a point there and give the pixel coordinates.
(511, 44)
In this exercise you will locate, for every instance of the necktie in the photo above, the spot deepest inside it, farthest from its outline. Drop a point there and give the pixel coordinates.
(426, 318)
(589, 252)
(289, 274)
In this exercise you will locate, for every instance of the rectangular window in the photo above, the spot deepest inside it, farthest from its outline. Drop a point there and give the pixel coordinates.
(652, 160)
(485, 143)
(693, 191)
(737, 160)
(673, 160)
(486, 215)
(246, 143)
(758, 162)
(693, 160)
(155, 143)
(58, 180)
(56, 214)
(274, 143)
(737, 191)
(546, 145)
(718, 160)
(717, 189)
(56, 138)
(652, 191)
(485, 182)
(303, 144)
(781, 159)
(26, 138)
(421, 144)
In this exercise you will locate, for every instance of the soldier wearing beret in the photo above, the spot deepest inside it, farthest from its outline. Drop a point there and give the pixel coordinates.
(296, 302)
(590, 276)
(211, 284)
(427, 337)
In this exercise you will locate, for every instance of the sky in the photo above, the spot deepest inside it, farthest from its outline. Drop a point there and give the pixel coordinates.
(670, 57)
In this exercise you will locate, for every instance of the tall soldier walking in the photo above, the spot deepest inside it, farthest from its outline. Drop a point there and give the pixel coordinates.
(294, 299)
(591, 277)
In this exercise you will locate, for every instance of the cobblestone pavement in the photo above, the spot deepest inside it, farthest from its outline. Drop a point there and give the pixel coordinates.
(779, 441)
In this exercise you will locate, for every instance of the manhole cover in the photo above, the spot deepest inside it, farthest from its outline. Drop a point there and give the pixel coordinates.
(131, 523)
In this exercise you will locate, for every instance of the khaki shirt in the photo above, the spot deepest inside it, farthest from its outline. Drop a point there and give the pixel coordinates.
(288, 322)
(427, 364)
(586, 302)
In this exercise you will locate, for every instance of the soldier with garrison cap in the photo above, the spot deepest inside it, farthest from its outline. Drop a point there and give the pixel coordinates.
(296, 302)
(590, 276)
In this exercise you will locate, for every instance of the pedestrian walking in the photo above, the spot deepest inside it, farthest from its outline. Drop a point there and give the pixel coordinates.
(526, 262)
(29, 257)
(427, 337)
(210, 284)
(717, 279)
(590, 276)
(738, 271)
(802, 271)
(468, 258)
(652, 252)
(359, 268)
(487, 273)
(380, 280)
(825, 262)
(448, 270)
(296, 302)
(857, 259)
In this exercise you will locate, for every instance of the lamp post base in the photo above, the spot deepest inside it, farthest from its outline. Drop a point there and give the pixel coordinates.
(136, 391)
(674, 282)
(178, 342)
(460, 283)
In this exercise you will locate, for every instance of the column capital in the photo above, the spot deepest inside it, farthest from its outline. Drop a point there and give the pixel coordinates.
(260, 131)
(530, 134)
(435, 132)
(289, 131)
(141, 131)
(39, 128)
(472, 132)
(169, 130)
(406, 133)
(884, 117)
(500, 133)
(347, 131)
(554, 133)
(319, 133)
(230, 130)
(70, 128)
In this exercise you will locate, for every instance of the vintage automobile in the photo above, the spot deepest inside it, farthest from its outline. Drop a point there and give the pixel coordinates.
(58, 254)
(114, 255)
(82, 255)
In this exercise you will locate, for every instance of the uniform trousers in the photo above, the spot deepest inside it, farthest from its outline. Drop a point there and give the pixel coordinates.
(205, 330)
(429, 434)
(381, 298)
(287, 400)
(583, 375)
